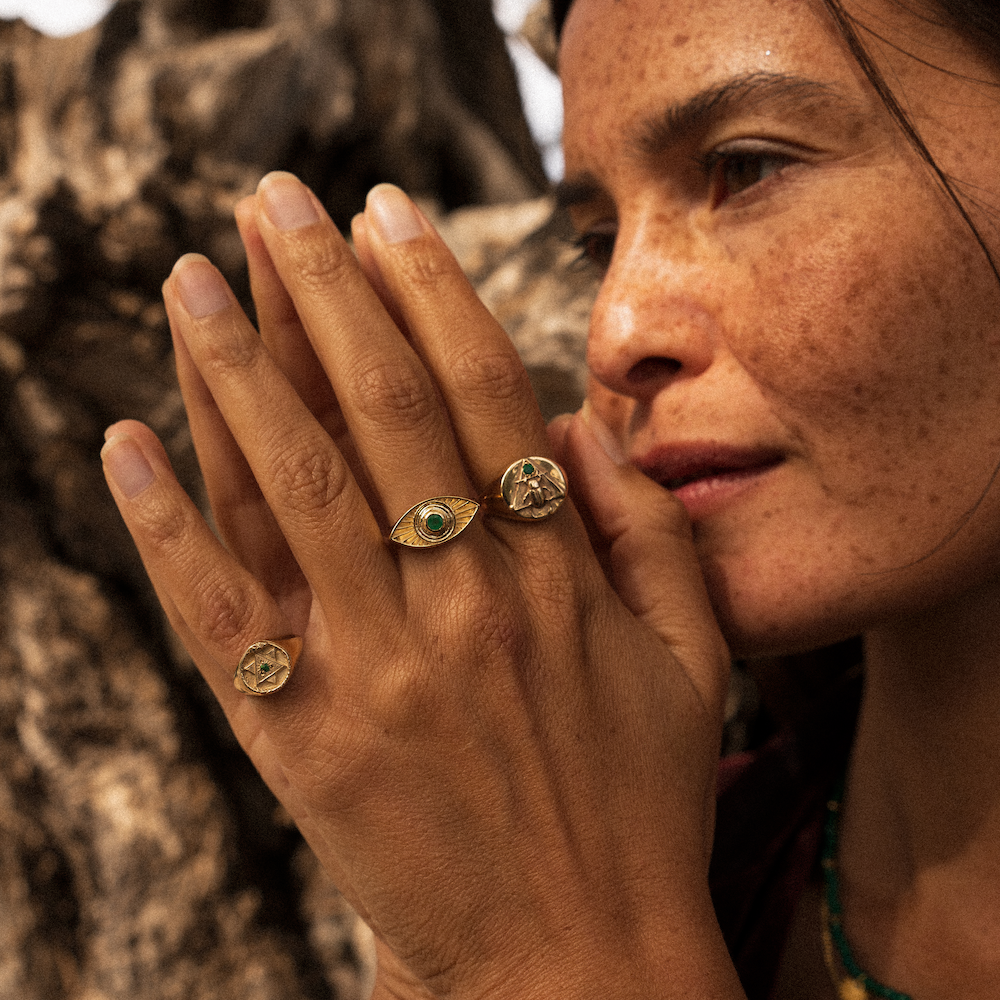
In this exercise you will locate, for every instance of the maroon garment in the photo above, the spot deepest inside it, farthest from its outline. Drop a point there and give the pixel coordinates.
(771, 810)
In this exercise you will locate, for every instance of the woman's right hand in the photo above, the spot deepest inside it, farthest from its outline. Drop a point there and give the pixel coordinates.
(504, 759)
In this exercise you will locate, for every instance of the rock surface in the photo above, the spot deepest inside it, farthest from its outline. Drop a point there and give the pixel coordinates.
(141, 855)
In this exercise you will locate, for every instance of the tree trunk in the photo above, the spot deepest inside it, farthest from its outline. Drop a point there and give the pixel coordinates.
(141, 856)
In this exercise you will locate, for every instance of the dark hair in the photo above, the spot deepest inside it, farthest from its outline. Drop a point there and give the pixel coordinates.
(560, 8)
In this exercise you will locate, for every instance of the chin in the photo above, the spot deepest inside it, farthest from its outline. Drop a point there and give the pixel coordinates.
(751, 642)
(762, 620)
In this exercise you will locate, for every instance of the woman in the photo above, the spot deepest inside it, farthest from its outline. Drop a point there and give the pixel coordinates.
(504, 748)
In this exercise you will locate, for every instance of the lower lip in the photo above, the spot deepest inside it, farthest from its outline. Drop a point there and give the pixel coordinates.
(705, 496)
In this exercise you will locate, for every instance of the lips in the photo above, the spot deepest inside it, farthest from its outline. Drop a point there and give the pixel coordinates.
(703, 473)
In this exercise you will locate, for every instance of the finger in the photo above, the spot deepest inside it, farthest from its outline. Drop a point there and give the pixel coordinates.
(280, 328)
(651, 557)
(558, 434)
(369, 267)
(487, 391)
(207, 595)
(218, 610)
(242, 516)
(392, 407)
(308, 486)
(283, 335)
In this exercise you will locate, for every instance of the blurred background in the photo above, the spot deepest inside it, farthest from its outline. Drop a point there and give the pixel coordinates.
(141, 857)
(538, 84)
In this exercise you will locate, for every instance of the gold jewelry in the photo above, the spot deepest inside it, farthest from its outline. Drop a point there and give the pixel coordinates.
(530, 489)
(434, 521)
(266, 665)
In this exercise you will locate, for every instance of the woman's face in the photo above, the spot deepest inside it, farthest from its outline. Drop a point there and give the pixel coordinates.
(796, 333)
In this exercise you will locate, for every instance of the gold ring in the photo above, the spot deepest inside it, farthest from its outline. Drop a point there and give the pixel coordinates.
(267, 665)
(434, 521)
(530, 489)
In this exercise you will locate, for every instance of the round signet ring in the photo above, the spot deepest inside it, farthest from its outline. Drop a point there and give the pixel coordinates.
(530, 489)
(434, 522)
(267, 665)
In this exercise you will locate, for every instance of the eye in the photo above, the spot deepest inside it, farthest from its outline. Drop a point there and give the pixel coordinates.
(731, 172)
(594, 248)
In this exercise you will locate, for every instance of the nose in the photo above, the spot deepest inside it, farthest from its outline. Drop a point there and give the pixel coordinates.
(653, 321)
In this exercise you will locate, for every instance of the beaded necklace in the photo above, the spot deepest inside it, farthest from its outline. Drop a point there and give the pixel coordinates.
(856, 984)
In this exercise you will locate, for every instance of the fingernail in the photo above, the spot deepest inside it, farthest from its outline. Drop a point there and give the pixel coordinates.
(394, 215)
(126, 465)
(600, 430)
(287, 202)
(202, 289)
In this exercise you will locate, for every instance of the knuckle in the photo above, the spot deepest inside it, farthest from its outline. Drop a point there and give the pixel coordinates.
(310, 481)
(488, 377)
(425, 267)
(478, 626)
(226, 611)
(233, 349)
(216, 604)
(322, 264)
(392, 392)
(484, 620)
(165, 528)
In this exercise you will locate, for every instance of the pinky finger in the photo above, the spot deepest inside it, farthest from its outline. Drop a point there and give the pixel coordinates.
(215, 605)
(252, 732)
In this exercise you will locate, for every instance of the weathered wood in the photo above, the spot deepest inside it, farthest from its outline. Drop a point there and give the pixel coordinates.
(141, 856)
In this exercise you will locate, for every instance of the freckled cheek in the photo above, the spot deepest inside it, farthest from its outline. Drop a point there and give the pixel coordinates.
(872, 340)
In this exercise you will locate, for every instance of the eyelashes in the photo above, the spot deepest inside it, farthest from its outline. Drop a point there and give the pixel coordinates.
(727, 173)
(593, 250)
(731, 172)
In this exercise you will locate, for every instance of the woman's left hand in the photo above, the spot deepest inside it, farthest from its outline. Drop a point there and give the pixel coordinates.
(505, 763)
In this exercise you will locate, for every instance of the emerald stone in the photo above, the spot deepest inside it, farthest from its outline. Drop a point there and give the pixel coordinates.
(265, 668)
(435, 522)
(528, 469)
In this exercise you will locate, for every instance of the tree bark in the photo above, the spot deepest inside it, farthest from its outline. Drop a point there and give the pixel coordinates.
(141, 856)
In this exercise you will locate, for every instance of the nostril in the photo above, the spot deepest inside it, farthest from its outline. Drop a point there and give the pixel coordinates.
(653, 370)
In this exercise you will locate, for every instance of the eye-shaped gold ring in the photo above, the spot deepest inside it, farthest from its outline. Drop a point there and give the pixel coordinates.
(434, 521)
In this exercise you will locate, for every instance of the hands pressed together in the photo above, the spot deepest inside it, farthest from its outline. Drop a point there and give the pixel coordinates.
(502, 748)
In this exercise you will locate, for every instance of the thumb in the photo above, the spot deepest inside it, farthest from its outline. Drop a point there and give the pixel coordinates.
(644, 538)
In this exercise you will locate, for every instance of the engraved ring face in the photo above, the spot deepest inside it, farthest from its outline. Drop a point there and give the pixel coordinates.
(533, 488)
(265, 667)
(434, 521)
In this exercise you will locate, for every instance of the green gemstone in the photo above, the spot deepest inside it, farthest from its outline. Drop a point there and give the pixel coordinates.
(528, 469)
(435, 522)
(265, 668)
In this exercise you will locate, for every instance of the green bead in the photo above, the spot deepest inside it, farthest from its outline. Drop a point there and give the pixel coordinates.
(835, 926)
(528, 469)
(265, 668)
(435, 522)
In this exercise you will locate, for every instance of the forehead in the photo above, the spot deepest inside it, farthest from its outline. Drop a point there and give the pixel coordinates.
(619, 59)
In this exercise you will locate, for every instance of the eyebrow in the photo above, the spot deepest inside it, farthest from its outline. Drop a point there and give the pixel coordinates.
(681, 122)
